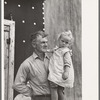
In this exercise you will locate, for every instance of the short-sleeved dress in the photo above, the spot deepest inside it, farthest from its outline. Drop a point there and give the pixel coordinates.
(56, 67)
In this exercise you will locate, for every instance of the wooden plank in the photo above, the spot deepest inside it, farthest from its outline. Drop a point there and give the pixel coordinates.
(11, 58)
(6, 28)
(6, 65)
(61, 15)
(69, 93)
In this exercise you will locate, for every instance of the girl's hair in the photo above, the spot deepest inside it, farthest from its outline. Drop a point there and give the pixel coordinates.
(68, 36)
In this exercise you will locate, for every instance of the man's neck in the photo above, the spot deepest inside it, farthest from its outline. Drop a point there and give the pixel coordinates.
(41, 55)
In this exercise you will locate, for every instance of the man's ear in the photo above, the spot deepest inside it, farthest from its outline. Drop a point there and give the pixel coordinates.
(33, 44)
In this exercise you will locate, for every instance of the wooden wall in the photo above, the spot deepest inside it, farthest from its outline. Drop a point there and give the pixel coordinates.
(62, 15)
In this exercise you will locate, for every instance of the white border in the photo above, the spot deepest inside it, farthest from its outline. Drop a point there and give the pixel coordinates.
(90, 50)
(2, 47)
(2, 35)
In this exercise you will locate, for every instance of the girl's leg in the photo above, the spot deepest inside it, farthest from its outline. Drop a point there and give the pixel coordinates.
(54, 93)
(61, 94)
(53, 90)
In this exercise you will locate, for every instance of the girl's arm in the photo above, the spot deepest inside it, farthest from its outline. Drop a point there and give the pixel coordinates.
(67, 65)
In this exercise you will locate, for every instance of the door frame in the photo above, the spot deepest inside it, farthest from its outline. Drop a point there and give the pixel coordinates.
(11, 50)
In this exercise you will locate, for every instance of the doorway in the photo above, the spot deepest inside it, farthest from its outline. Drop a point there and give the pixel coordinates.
(9, 45)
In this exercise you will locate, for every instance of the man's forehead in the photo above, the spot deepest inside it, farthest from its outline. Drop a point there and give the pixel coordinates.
(40, 37)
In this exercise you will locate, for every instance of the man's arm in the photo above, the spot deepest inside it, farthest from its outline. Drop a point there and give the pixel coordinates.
(20, 83)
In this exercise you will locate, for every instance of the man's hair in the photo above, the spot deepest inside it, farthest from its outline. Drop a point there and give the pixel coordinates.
(36, 34)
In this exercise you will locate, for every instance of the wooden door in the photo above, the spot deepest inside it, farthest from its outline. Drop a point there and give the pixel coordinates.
(9, 41)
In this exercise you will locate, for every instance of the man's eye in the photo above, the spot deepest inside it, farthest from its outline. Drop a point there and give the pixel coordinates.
(44, 42)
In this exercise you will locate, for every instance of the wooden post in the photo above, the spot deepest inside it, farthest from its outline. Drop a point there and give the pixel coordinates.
(10, 42)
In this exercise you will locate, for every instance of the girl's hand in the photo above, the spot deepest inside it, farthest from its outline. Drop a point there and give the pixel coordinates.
(65, 75)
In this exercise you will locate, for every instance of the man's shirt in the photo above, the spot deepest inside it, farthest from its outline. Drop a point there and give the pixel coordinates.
(34, 71)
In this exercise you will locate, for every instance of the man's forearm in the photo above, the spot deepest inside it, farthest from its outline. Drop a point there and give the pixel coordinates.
(23, 89)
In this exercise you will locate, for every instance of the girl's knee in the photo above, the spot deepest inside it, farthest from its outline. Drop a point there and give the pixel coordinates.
(61, 90)
(53, 91)
(54, 94)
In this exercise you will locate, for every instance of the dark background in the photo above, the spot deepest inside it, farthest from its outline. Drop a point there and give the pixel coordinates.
(23, 30)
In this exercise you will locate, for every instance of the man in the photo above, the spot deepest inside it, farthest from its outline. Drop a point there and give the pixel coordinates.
(34, 70)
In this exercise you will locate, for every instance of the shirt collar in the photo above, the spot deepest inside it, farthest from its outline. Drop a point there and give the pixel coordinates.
(36, 56)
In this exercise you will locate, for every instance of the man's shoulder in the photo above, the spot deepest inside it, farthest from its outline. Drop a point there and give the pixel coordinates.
(26, 64)
(48, 55)
(27, 61)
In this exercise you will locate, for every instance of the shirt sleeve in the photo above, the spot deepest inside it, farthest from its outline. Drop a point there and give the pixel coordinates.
(67, 59)
(20, 83)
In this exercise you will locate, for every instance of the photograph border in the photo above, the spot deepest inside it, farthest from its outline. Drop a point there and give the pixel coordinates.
(90, 50)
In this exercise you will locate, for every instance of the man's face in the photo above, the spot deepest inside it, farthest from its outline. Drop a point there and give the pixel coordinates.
(41, 44)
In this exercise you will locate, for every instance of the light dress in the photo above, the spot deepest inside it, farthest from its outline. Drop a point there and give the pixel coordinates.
(56, 67)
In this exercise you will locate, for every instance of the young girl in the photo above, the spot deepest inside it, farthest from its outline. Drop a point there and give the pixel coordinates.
(61, 72)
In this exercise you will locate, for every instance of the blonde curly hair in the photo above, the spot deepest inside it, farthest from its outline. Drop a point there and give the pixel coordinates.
(68, 36)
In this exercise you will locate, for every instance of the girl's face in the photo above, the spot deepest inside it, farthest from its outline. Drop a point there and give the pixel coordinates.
(63, 42)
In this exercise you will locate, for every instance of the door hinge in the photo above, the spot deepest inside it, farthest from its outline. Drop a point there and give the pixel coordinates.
(8, 41)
